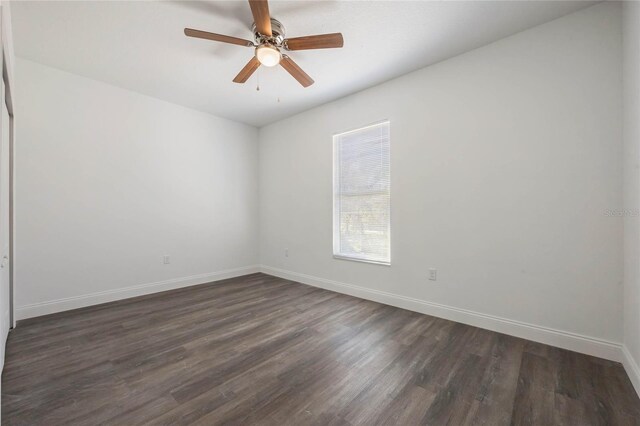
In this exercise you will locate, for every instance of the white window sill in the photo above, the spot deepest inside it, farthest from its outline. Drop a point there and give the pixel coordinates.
(356, 259)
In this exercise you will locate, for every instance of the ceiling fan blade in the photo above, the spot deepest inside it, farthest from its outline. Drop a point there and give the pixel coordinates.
(260, 11)
(246, 72)
(321, 41)
(217, 37)
(296, 72)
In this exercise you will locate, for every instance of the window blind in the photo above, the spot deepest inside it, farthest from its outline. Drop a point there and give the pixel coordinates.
(361, 194)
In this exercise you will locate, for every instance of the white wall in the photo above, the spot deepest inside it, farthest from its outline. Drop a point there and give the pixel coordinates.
(504, 162)
(631, 36)
(108, 181)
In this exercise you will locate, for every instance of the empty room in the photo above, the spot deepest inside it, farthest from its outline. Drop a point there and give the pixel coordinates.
(320, 212)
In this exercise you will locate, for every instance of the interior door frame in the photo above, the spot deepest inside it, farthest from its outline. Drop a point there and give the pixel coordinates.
(8, 77)
(7, 99)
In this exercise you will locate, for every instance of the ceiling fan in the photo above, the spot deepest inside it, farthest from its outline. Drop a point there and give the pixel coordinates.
(269, 42)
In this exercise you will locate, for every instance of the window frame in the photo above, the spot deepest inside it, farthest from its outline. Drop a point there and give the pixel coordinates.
(335, 214)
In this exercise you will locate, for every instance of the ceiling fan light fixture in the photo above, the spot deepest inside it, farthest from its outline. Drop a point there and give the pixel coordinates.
(268, 55)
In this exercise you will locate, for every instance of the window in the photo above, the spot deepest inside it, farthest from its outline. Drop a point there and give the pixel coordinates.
(361, 194)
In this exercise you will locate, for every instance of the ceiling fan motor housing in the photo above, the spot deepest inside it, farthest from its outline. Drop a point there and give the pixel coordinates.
(277, 37)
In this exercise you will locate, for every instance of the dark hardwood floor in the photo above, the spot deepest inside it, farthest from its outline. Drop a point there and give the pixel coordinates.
(263, 350)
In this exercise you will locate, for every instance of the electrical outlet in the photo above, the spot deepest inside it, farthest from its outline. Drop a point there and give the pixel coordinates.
(433, 274)
(166, 260)
(286, 252)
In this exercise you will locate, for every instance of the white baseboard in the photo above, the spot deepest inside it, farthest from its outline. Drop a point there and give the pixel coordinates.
(632, 368)
(562, 339)
(59, 305)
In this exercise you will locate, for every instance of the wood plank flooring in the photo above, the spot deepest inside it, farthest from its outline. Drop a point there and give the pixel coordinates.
(263, 350)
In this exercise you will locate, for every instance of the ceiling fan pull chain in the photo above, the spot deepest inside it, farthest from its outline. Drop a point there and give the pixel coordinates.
(258, 79)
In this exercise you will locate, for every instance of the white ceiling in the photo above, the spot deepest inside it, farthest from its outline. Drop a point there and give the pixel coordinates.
(141, 46)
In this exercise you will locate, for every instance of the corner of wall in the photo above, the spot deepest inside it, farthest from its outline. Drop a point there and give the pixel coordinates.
(631, 185)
